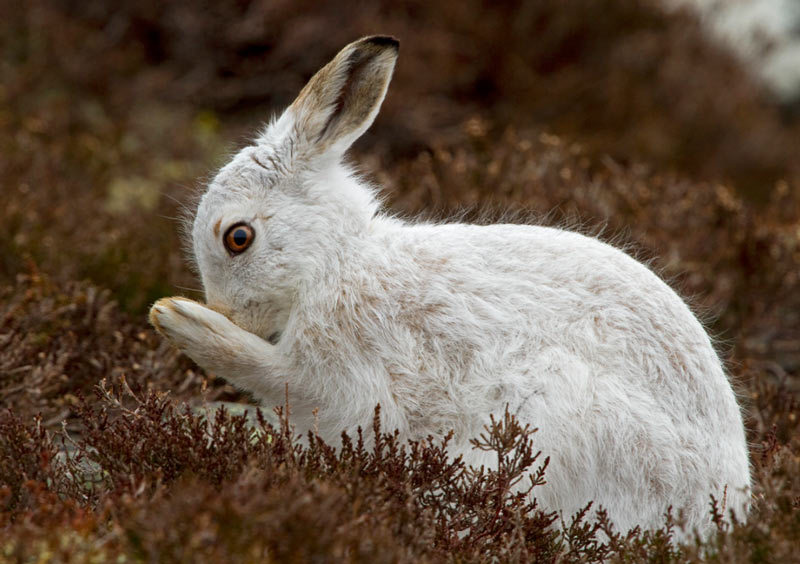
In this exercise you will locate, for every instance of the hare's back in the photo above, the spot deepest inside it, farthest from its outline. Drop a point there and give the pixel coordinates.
(604, 358)
(554, 272)
(560, 301)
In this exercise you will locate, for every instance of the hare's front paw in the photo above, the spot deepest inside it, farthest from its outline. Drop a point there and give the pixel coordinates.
(217, 344)
(187, 323)
(208, 337)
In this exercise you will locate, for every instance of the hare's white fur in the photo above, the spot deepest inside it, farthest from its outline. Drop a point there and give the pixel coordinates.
(444, 325)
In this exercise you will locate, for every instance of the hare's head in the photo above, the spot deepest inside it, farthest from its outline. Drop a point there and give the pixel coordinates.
(274, 215)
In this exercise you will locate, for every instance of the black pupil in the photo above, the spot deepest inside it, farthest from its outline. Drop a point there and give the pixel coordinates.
(240, 237)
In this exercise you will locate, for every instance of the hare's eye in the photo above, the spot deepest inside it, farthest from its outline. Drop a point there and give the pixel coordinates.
(238, 237)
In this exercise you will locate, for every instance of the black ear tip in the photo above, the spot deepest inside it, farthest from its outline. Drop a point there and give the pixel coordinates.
(383, 41)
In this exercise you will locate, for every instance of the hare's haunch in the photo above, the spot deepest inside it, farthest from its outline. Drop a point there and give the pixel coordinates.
(308, 282)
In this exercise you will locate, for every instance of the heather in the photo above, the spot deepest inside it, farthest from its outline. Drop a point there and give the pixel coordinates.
(618, 120)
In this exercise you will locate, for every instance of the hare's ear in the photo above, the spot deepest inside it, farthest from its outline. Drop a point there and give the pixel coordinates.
(341, 101)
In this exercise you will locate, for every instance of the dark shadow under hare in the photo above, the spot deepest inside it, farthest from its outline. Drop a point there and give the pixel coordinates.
(308, 282)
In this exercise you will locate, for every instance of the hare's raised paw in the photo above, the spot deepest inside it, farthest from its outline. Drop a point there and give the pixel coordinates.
(185, 321)
(208, 337)
(217, 344)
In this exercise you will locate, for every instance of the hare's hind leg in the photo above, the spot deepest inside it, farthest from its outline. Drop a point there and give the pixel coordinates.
(218, 345)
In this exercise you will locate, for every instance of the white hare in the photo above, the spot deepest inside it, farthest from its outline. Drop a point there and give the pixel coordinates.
(308, 282)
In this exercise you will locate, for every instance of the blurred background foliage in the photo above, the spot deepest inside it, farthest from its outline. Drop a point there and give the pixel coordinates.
(617, 116)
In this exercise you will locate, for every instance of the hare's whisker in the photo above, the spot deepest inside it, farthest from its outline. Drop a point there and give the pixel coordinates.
(188, 289)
